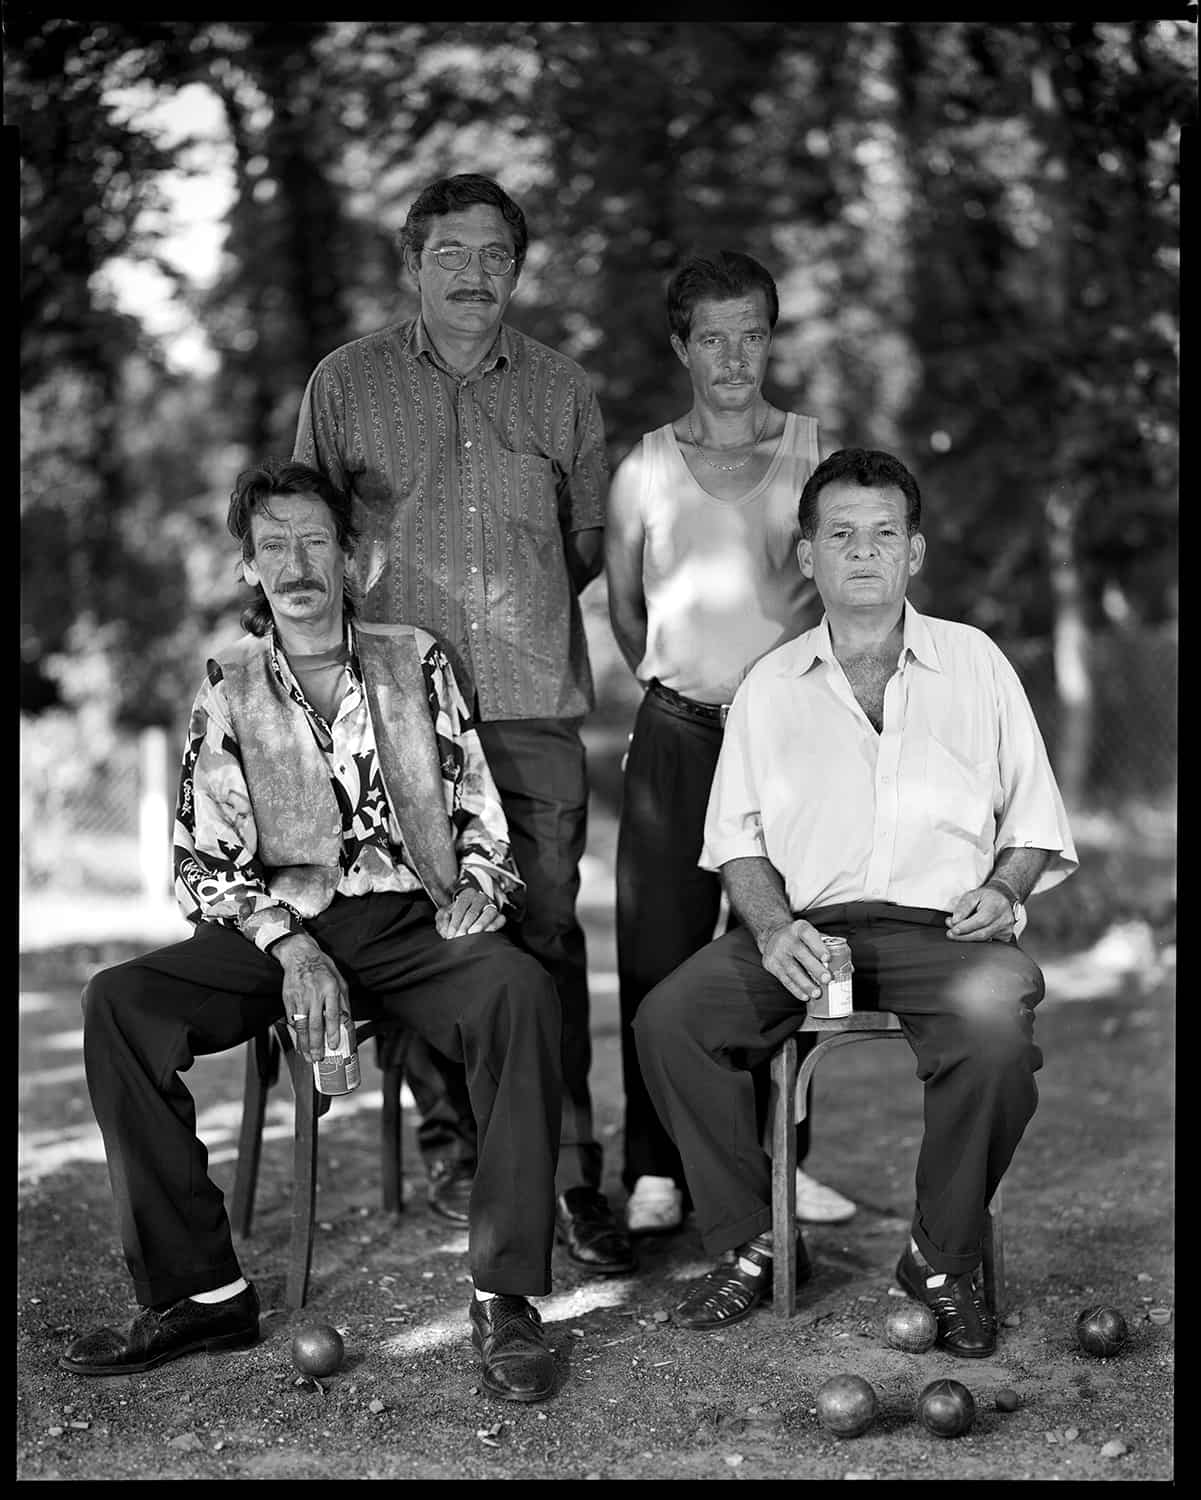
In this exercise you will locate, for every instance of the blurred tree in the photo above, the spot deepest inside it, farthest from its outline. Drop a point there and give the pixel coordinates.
(973, 226)
(281, 300)
(1043, 317)
(85, 183)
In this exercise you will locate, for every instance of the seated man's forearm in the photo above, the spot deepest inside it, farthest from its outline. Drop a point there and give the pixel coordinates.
(756, 891)
(1016, 871)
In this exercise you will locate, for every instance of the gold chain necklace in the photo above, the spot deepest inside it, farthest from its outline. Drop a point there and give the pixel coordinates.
(742, 462)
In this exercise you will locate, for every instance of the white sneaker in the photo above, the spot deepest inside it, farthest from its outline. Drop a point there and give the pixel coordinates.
(818, 1204)
(656, 1206)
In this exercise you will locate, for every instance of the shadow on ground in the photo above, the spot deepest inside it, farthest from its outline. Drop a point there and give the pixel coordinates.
(1088, 1219)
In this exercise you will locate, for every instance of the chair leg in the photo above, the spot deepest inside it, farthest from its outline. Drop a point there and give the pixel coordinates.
(391, 1143)
(993, 1260)
(783, 1179)
(260, 1057)
(304, 1180)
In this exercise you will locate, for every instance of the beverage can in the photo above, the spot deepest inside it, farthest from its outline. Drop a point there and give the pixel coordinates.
(338, 1071)
(835, 999)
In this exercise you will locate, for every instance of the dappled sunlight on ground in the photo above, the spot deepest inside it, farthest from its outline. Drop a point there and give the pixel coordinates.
(1126, 955)
(40, 1153)
(558, 1308)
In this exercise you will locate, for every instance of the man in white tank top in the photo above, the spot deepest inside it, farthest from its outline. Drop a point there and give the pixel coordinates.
(700, 552)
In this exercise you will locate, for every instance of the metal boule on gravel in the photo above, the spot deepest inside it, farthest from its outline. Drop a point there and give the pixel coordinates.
(1101, 1330)
(946, 1408)
(910, 1326)
(847, 1405)
(317, 1349)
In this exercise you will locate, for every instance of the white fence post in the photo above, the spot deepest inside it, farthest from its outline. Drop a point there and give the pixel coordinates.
(154, 828)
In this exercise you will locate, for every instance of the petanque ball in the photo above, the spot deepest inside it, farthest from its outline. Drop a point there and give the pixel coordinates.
(946, 1408)
(847, 1405)
(317, 1349)
(1008, 1400)
(1101, 1330)
(911, 1326)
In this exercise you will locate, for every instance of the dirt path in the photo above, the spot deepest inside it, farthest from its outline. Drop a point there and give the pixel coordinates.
(1088, 1217)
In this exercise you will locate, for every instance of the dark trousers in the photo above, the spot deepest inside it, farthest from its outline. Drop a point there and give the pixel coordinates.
(540, 771)
(477, 999)
(445, 1127)
(967, 1012)
(667, 907)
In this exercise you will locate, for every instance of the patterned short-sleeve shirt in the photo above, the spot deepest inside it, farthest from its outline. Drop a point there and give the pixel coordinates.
(464, 488)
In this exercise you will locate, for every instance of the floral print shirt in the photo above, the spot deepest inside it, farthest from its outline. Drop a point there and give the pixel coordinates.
(218, 876)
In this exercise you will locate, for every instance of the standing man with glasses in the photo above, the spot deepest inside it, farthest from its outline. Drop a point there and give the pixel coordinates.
(476, 459)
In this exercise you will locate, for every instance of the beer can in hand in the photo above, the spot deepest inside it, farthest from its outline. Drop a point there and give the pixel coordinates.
(835, 999)
(338, 1071)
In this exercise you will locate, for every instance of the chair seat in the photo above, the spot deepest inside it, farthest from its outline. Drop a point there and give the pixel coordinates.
(263, 1056)
(790, 1080)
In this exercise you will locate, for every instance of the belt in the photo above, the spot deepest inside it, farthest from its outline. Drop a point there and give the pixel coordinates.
(875, 911)
(714, 713)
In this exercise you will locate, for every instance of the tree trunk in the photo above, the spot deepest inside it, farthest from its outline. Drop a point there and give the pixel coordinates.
(1072, 655)
(1070, 632)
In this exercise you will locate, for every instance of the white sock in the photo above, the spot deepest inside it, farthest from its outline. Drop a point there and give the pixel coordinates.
(935, 1278)
(222, 1293)
(760, 1242)
(483, 1296)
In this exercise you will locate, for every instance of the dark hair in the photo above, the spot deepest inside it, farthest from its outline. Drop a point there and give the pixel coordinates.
(717, 278)
(869, 467)
(250, 497)
(451, 195)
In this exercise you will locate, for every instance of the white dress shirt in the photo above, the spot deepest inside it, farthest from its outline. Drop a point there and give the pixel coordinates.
(916, 814)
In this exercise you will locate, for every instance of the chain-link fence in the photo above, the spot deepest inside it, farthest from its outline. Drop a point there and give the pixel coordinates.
(95, 807)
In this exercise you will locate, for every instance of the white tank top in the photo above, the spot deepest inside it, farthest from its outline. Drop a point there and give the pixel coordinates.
(720, 577)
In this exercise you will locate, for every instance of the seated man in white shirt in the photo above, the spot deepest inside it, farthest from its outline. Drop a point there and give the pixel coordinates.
(881, 779)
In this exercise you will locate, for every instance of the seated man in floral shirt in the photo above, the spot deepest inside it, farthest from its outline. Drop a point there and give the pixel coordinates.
(341, 848)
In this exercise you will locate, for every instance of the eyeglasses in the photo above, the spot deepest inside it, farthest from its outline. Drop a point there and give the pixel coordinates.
(456, 257)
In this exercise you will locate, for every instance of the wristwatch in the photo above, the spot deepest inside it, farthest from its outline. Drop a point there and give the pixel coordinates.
(1019, 911)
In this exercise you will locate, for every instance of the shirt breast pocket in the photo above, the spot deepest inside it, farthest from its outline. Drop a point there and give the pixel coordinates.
(960, 793)
(526, 492)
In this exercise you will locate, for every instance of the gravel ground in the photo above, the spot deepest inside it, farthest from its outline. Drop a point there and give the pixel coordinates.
(1088, 1214)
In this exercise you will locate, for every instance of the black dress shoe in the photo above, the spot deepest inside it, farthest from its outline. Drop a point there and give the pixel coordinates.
(449, 1192)
(595, 1241)
(965, 1327)
(515, 1362)
(727, 1294)
(154, 1338)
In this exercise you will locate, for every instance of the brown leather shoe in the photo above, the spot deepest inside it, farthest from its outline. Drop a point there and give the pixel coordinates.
(515, 1362)
(965, 1327)
(449, 1192)
(153, 1338)
(595, 1241)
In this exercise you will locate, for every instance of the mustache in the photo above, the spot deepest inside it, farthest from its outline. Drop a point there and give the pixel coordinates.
(302, 586)
(471, 297)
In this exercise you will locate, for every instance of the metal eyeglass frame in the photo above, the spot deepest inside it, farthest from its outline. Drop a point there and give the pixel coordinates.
(461, 259)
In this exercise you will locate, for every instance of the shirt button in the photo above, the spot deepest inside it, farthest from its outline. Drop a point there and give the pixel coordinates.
(474, 625)
(474, 570)
(471, 510)
(467, 444)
